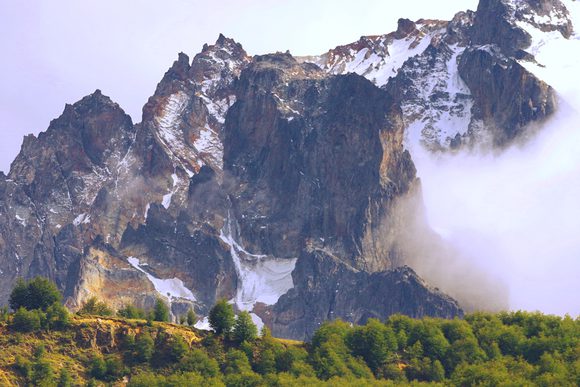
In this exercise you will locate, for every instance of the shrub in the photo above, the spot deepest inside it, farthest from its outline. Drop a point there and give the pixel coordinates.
(176, 348)
(198, 361)
(144, 347)
(130, 311)
(191, 318)
(27, 320)
(57, 316)
(23, 366)
(108, 368)
(64, 379)
(95, 307)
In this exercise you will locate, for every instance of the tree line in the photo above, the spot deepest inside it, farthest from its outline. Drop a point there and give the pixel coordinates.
(510, 348)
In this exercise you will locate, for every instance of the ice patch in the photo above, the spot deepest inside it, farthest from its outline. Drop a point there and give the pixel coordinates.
(166, 202)
(82, 218)
(260, 278)
(203, 324)
(172, 288)
(21, 220)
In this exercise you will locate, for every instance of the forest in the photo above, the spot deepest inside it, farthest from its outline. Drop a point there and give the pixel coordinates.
(43, 344)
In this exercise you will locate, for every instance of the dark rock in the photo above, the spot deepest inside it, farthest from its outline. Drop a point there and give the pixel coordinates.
(507, 96)
(325, 288)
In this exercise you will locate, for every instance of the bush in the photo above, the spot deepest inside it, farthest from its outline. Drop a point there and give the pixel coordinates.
(191, 318)
(144, 347)
(23, 366)
(38, 293)
(64, 379)
(108, 368)
(221, 317)
(27, 320)
(132, 312)
(177, 348)
(95, 307)
(198, 361)
(57, 316)
(244, 328)
(4, 314)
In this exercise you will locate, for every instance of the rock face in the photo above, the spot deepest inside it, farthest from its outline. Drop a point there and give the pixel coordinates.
(507, 96)
(270, 181)
(337, 142)
(325, 288)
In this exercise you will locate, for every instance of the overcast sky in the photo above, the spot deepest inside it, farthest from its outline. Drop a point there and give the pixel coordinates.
(57, 51)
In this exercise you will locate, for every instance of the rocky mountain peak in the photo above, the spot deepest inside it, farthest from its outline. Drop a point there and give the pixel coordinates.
(502, 22)
(404, 28)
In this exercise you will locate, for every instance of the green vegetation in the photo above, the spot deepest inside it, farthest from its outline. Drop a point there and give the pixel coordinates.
(38, 293)
(222, 317)
(160, 311)
(41, 347)
(95, 307)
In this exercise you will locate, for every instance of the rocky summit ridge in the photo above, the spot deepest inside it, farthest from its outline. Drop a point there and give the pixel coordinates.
(271, 180)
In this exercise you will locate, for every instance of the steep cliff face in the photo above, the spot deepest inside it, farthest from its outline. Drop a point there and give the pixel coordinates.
(271, 181)
(336, 141)
(325, 288)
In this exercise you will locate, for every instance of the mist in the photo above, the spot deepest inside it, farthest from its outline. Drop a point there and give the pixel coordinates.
(515, 215)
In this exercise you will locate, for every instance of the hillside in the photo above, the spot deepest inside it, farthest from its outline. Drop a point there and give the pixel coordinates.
(502, 349)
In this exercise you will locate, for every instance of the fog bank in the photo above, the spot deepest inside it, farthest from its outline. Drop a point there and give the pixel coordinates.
(516, 214)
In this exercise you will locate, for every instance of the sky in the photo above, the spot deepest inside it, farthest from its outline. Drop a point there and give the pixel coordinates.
(57, 51)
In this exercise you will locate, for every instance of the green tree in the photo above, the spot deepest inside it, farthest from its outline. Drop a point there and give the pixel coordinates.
(97, 367)
(191, 318)
(57, 316)
(160, 311)
(198, 361)
(236, 362)
(42, 373)
(244, 328)
(373, 343)
(221, 317)
(23, 366)
(38, 293)
(266, 362)
(144, 347)
(27, 320)
(177, 348)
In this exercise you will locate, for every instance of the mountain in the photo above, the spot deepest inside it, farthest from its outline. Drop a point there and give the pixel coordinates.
(273, 181)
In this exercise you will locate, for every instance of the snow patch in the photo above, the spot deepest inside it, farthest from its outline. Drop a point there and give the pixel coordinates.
(203, 324)
(172, 288)
(260, 278)
(82, 219)
(166, 202)
(21, 220)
